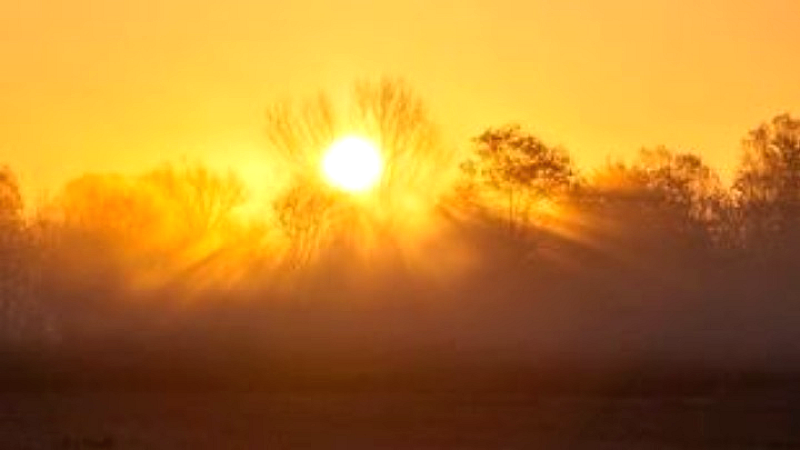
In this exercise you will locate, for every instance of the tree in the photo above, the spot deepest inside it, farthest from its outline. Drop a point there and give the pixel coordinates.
(516, 169)
(21, 313)
(674, 191)
(13, 280)
(165, 207)
(416, 166)
(298, 134)
(692, 189)
(112, 208)
(387, 112)
(767, 184)
(303, 213)
(201, 199)
(10, 201)
(148, 229)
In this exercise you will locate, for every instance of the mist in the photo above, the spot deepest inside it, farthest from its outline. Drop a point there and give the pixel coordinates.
(467, 262)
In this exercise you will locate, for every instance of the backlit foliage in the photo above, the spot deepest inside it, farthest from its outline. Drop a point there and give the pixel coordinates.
(417, 167)
(767, 184)
(161, 222)
(676, 187)
(517, 173)
(663, 217)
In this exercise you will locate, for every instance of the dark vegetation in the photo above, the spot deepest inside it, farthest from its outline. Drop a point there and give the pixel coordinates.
(650, 269)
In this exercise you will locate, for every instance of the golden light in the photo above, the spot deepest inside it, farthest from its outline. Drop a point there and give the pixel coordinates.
(352, 164)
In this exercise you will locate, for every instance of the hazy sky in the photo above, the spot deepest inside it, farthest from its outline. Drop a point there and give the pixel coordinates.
(123, 85)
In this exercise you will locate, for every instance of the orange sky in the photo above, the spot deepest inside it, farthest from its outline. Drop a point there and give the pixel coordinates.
(123, 85)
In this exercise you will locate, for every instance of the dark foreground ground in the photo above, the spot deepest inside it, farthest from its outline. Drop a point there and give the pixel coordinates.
(754, 417)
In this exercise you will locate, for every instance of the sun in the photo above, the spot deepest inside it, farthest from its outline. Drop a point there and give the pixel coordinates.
(352, 164)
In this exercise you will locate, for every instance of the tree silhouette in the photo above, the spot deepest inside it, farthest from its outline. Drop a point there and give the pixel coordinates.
(675, 194)
(767, 184)
(10, 206)
(165, 207)
(416, 166)
(416, 162)
(12, 262)
(516, 169)
(112, 208)
(303, 213)
(201, 199)
(21, 313)
(298, 133)
(683, 182)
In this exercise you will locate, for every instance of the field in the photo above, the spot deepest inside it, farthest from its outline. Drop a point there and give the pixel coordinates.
(744, 419)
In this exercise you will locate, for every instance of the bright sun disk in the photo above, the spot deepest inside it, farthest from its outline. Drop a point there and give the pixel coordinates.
(352, 164)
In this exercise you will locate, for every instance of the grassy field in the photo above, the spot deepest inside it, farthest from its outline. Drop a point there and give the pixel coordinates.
(746, 419)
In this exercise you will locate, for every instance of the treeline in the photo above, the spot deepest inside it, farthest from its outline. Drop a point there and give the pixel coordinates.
(645, 237)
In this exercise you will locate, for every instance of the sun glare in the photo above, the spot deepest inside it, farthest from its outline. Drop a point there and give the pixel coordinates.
(352, 164)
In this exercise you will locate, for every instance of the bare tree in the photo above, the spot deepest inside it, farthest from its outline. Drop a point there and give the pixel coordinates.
(415, 163)
(414, 157)
(111, 207)
(299, 133)
(304, 213)
(202, 199)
